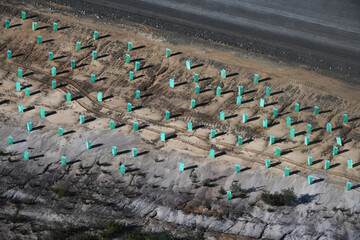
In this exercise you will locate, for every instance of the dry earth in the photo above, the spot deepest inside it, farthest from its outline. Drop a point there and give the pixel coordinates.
(154, 193)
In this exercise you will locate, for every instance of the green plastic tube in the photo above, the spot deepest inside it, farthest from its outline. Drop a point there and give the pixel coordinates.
(189, 126)
(51, 56)
(162, 136)
(112, 125)
(222, 115)
(135, 126)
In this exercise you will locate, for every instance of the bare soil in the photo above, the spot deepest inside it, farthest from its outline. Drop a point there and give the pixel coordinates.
(288, 86)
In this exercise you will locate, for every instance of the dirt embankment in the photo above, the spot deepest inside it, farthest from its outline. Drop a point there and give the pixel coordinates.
(154, 193)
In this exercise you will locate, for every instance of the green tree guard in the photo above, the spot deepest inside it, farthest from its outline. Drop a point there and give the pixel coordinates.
(189, 126)
(346, 118)
(256, 78)
(136, 126)
(272, 140)
(99, 97)
(51, 56)
(188, 65)
(265, 123)
(21, 108)
(137, 94)
(42, 113)
(222, 115)
(78, 46)
(335, 150)
(127, 58)
(212, 153)
(114, 151)
(20, 73)
(307, 140)
(96, 35)
(60, 132)
(267, 163)
(88, 144)
(23, 15)
(328, 127)
(245, 117)
(310, 160)
(18, 86)
(162, 136)
(93, 78)
(268, 91)
(278, 152)
(193, 102)
(7, 24)
(310, 180)
(275, 113)
(137, 66)
(134, 152)
(316, 110)
(9, 55)
(288, 121)
(131, 75)
(287, 172)
(68, 97)
(308, 128)
(29, 126)
(197, 89)
(55, 27)
(10, 140)
(350, 163)
(112, 125)
(292, 132)
(228, 195)
(348, 186)
(26, 155)
(262, 102)
(63, 160)
(212, 133)
(168, 52)
(172, 82)
(223, 73)
(167, 115)
(129, 107)
(297, 107)
(122, 169)
(238, 100)
(327, 164)
(53, 71)
(196, 78)
(240, 141)
(94, 55)
(338, 141)
(240, 90)
(34, 26)
(237, 168)
(82, 119)
(130, 46)
(181, 166)
(72, 64)
(39, 40)
(218, 91)
(27, 92)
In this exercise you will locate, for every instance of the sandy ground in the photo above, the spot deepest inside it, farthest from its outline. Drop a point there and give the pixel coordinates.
(288, 86)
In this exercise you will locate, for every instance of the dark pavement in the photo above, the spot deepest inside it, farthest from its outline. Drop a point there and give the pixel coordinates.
(323, 34)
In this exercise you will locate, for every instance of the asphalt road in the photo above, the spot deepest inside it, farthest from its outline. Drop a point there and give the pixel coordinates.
(323, 34)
